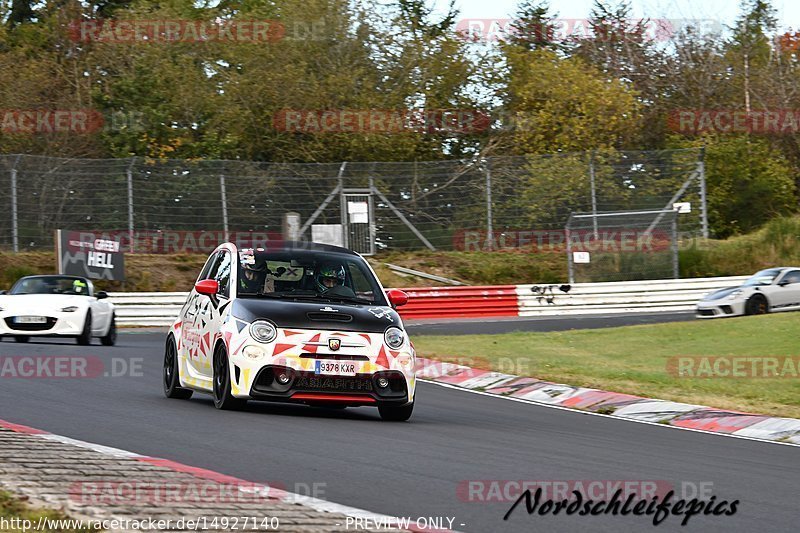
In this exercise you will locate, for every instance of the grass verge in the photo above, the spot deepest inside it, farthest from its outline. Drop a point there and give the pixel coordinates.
(636, 359)
(14, 512)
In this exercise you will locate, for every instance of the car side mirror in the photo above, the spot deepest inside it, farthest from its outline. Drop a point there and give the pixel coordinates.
(397, 297)
(784, 283)
(101, 295)
(209, 287)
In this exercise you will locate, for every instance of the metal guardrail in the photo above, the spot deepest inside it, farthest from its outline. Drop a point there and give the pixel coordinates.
(161, 308)
(619, 297)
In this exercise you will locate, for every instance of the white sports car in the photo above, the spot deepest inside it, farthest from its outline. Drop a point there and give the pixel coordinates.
(304, 324)
(64, 306)
(770, 290)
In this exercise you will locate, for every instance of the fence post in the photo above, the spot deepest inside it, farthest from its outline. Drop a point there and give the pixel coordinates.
(701, 171)
(344, 216)
(676, 273)
(489, 224)
(224, 198)
(570, 266)
(129, 175)
(594, 193)
(14, 220)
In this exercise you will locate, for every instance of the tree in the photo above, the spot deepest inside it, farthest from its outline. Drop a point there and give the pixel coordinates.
(565, 105)
(749, 183)
(21, 12)
(533, 27)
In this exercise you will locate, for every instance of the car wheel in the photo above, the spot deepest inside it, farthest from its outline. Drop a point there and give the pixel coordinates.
(757, 305)
(172, 388)
(395, 413)
(111, 337)
(222, 383)
(85, 338)
(21, 338)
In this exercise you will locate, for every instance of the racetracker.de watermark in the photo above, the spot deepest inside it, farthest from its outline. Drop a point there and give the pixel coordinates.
(170, 31)
(381, 121)
(475, 366)
(554, 240)
(763, 122)
(486, 30)
(182, 242)
(69, 367)
(510, 490)
(68, 121)
(734, 366)
(169, 493)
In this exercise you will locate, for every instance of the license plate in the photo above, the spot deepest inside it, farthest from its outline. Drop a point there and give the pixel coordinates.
(30, 320)
(334, 368)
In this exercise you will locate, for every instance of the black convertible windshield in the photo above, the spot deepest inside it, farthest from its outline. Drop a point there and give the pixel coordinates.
(320, 276)
(52, 285)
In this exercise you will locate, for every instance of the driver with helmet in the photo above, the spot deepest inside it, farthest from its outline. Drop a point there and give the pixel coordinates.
(254, 277)
(330, 276)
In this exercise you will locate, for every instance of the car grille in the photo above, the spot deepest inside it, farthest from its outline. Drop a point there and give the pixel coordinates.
(314, 383)
(705, 312)
(266, 384)
(30, 327)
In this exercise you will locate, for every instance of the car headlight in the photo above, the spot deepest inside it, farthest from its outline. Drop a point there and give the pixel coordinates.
(263, 331)
(253, 352)
(394, 337)
(734, 294)
(69, 309)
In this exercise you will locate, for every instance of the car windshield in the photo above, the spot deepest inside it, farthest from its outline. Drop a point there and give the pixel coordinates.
(765, 277)
(51, 285)
(307, 275)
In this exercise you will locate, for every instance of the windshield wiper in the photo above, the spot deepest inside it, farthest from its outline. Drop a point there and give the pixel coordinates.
(308, 295)
(350, 299)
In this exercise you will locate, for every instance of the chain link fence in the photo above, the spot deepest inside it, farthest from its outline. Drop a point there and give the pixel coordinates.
(473, 205)
(622, 246)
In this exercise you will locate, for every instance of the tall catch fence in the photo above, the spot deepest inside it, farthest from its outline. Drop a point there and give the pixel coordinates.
(482, 204)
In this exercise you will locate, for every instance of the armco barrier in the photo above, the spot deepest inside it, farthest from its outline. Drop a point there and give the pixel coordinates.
(160, 308)
(462, 301)
(652, 296)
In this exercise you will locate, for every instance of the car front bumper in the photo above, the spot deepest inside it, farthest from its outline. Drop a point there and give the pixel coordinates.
(66, 324)
(307, 387)
(719, 308)
(297, 355)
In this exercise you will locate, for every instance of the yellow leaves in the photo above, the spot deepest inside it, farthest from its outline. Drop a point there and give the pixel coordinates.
(567, 105)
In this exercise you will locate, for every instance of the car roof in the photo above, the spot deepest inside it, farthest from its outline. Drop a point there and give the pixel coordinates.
(297, 246)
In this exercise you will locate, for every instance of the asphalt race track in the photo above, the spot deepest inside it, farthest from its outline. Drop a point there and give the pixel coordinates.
(483, 326)
(406, 469)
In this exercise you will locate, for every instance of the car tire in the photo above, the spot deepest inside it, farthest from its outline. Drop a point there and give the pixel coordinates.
(85, 338)
(21, 338)
(172, 381)
(110, 338)
(221, 383)
(395, 413)
(757, 304)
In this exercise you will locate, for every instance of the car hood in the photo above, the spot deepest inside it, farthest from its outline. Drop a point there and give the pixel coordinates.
(722, 293)
(41, 302)
(317, 315)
